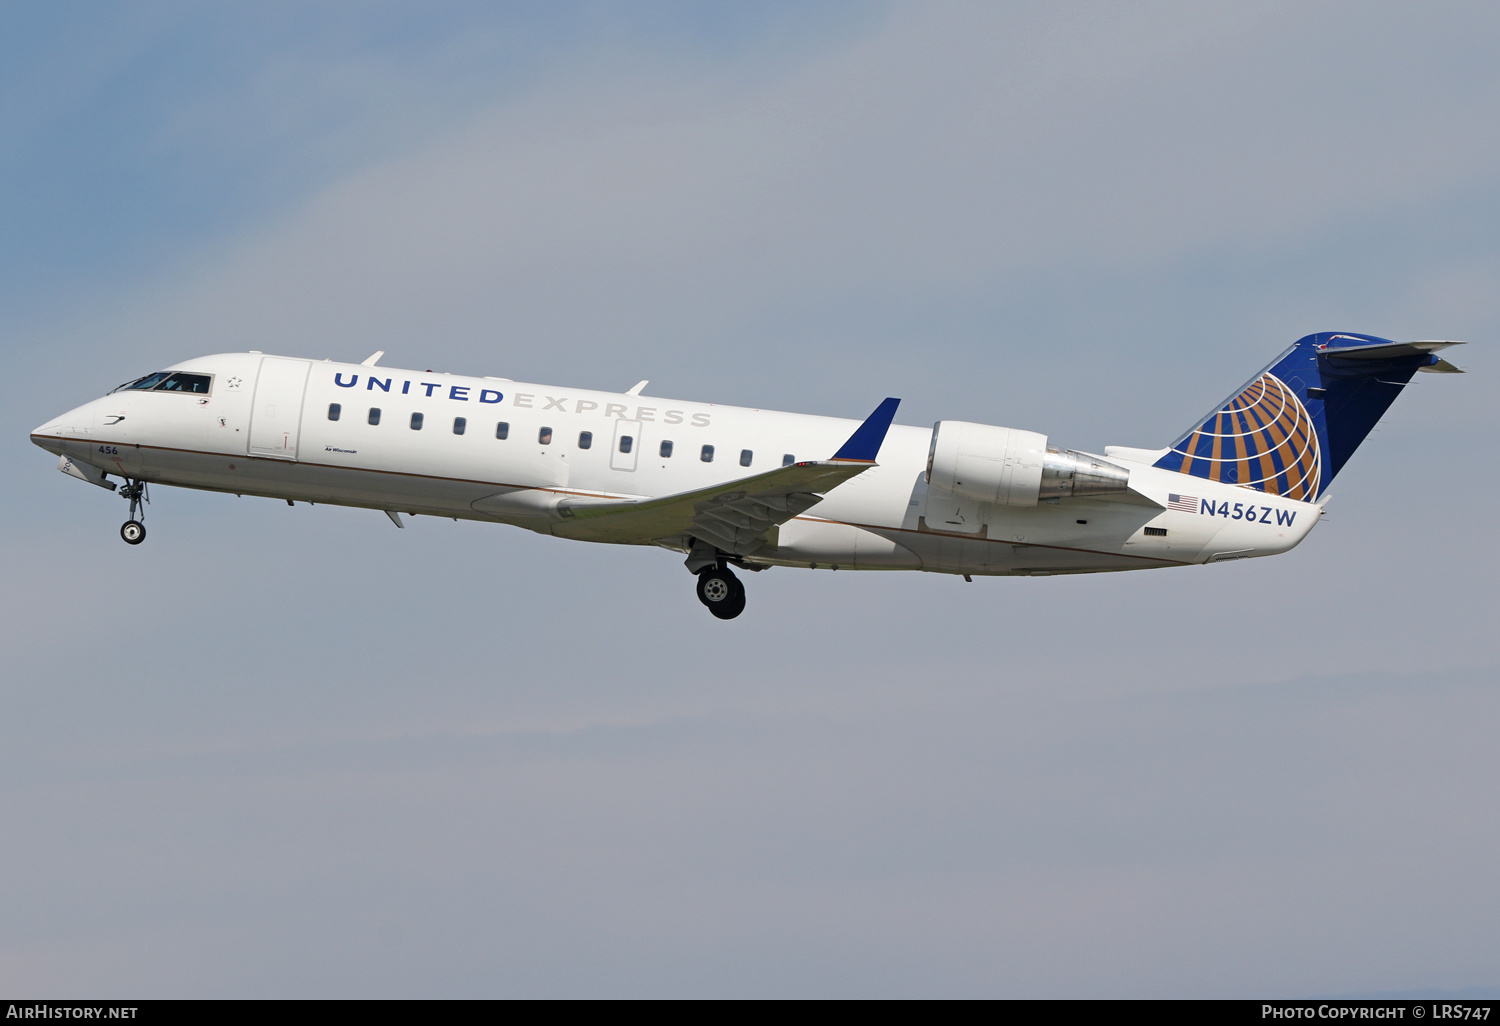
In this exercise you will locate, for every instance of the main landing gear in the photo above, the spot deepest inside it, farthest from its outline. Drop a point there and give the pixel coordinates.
(721, 591)
(133, 531)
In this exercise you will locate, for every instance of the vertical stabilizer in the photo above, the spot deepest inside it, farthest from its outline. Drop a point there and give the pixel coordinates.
(1292, 427)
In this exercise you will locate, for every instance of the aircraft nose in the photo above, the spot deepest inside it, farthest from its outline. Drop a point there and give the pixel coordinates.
(54, 434)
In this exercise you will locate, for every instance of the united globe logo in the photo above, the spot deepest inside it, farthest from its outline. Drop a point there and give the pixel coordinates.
(1263, 438)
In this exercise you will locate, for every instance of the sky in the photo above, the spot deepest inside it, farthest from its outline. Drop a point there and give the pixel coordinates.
(291, 752)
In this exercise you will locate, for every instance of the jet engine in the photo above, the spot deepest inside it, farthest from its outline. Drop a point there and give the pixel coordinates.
(1009, 467)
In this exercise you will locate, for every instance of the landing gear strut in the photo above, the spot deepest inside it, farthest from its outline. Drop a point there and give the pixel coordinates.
(133, 531)
(721, 592)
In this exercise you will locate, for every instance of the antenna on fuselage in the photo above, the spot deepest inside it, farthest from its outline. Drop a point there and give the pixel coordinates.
(373, 358)
(636, 388)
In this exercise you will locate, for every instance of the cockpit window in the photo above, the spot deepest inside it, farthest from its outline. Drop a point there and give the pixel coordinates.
(166, 381)
(149, 381)
(180, 382)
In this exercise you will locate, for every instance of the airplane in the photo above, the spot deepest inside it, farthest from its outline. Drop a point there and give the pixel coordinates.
(736, 488)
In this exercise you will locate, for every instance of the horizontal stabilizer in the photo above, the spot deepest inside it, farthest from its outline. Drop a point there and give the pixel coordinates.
(733, 516)
(1385, 350)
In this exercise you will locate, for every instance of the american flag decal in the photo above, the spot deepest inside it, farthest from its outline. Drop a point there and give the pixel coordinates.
(1182, 503)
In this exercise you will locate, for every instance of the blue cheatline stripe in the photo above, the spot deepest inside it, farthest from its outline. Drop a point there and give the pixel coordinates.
(864, 444)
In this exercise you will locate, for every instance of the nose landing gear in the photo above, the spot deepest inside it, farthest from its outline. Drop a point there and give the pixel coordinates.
(721, 591)
(133, 531)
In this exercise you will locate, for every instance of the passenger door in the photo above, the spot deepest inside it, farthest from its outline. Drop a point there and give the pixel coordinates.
(627, 445)
(276, 412)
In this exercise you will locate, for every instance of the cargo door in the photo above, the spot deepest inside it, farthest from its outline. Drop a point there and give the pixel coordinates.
(276, 412)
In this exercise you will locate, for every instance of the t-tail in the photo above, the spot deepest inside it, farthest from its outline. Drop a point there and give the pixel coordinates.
(1290, 429)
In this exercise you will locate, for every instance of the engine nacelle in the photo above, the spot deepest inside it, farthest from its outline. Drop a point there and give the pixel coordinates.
(986, 463)
(1009, 467)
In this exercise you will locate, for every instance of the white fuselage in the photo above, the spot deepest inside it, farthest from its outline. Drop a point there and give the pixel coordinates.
(260, 431)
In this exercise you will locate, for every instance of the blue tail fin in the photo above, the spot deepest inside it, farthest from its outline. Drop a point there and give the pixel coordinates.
(864, 445)
(1294, 425)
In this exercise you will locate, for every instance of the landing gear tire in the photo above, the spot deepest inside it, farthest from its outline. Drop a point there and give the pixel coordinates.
(133, 531)
(722, 593)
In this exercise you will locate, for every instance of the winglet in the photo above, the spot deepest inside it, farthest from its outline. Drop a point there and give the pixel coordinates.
(864, 445)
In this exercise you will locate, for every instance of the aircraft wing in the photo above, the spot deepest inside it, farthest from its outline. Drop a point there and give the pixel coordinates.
(733, 516)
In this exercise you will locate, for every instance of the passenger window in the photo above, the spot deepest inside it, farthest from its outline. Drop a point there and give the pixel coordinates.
(666, 449)
(374, 415)
(745, 457)
(626, 442)
(459, 423)
(707, 455)
(416, 422)
(334, 409)
(585, 439)
(788, 460)
(544, 436)
(502, 431)
(195, 383)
